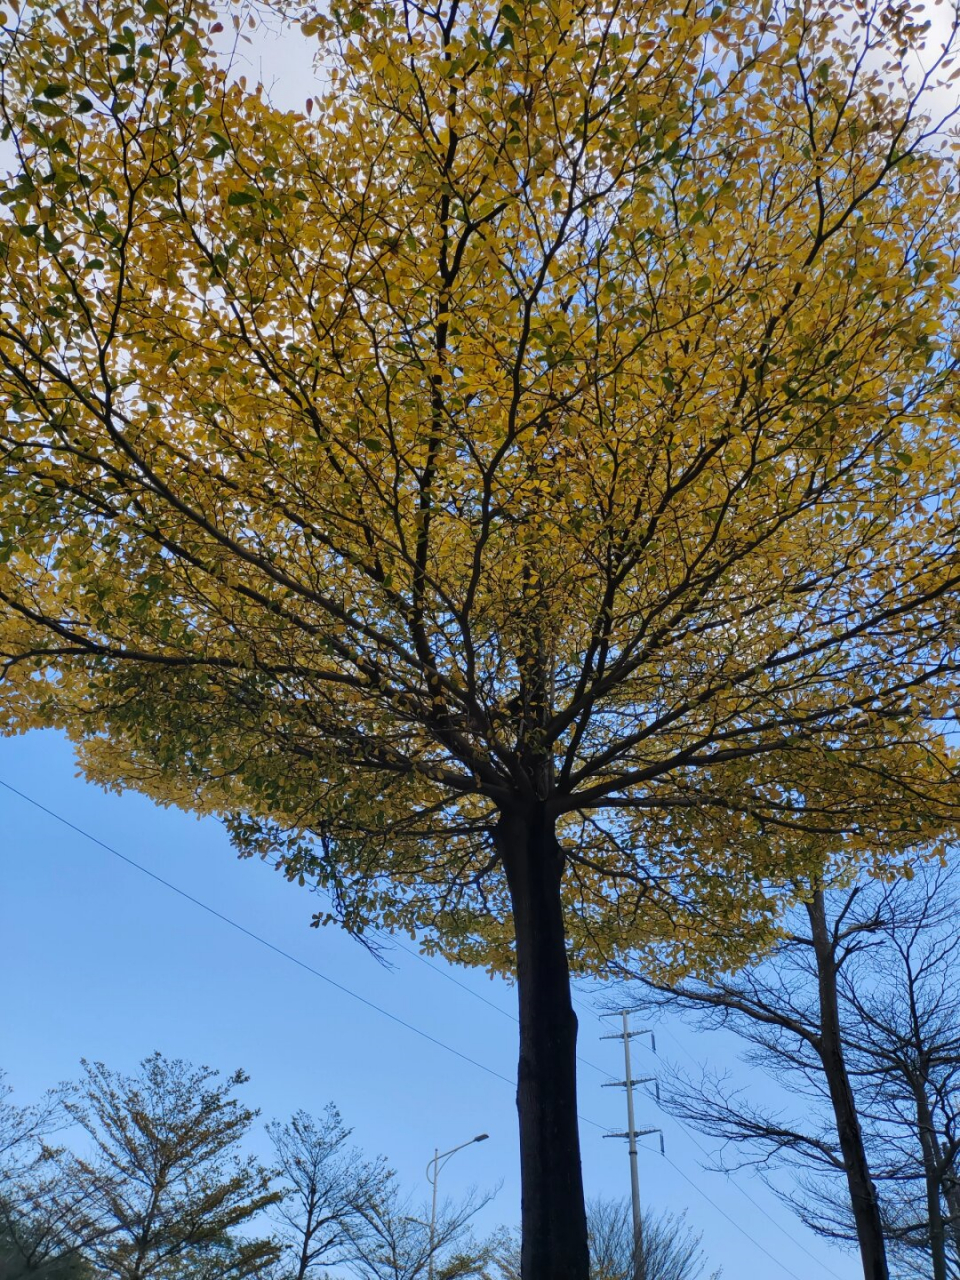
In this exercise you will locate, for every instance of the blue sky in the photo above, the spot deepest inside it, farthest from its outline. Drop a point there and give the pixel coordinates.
(103, 962)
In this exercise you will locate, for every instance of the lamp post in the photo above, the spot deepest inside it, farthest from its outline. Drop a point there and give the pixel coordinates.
(440, 1158)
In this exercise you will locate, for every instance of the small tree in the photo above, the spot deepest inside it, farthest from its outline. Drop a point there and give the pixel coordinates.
(669, 1250)
(391, 1238)
(324, 1185)
(164, 1185)
(24, 1129)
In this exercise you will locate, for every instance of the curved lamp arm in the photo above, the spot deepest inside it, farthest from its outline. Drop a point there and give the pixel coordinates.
(442, 1157)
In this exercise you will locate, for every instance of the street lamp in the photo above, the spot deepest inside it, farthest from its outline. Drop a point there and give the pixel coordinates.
(440, 1158)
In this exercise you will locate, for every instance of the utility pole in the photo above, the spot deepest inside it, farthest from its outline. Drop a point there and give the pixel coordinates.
(632, 1132)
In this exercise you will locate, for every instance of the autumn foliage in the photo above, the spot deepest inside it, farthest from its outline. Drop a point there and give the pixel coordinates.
(517, 492)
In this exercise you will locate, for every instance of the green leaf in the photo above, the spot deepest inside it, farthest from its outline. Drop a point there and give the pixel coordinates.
(219, 148)
(509, 14)
(55, 90)
(237, 198)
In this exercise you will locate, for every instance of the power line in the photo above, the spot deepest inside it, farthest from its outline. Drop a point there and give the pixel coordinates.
(235, 924)
(756, 1203)
(339, 986)
(256, 937)
(733, 1222)
(504, 1013)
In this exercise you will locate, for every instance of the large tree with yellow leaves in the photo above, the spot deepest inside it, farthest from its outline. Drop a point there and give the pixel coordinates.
(516, 490)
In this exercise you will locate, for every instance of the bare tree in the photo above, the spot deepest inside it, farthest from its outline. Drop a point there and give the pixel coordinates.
(856, 1007)
(901, 999)
(787, 1010)
(392, 1239)
(669, 1249)
(325, 1182)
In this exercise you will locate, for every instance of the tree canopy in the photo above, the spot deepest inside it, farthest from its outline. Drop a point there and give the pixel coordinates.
(515, 490)
(165, 1184)
(562, 408)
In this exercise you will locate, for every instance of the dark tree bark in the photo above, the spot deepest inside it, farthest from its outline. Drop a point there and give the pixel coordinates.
(951, 1193)
(933, 1180)
(554, 1221)
(863, 1195)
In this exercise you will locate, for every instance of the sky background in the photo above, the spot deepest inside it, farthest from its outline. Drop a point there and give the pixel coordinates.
(104, 963)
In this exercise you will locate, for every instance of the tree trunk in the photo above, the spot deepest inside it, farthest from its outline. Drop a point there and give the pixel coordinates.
(932, 1176)
(951, 1194)
(553, 1219)
(863, 1195)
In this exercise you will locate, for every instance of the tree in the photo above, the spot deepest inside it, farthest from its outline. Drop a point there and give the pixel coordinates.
(34, 1237)
(515, 490)
(325, 1185)
(670, 1250)
(164, 1189)
(222, 1259)
(24, 1129)
(902, 1000)
(856, 1008)
(389, 1241)
(15, 1264)
(36, 1243)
